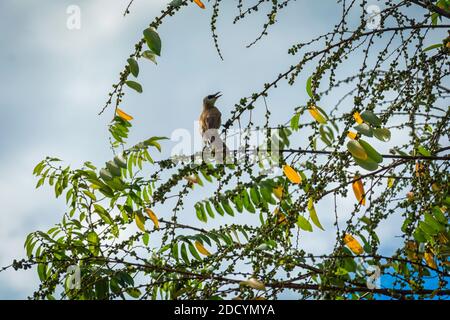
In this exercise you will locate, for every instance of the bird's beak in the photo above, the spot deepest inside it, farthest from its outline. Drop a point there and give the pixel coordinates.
(217, 95)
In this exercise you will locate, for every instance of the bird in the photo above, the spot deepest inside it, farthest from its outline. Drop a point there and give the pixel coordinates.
(210, 122)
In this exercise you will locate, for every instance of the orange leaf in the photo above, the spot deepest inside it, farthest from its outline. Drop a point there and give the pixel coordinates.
(153, 217)
(357, 117)
(200, 4)
(201, 248)
(358, 189)
(123, 115)
(291, 174)
(353, 244)
(352, 135)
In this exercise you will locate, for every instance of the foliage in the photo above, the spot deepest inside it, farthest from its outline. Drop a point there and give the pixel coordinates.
(125, 248)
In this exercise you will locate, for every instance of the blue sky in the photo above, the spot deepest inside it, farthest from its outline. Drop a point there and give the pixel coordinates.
(54, 82)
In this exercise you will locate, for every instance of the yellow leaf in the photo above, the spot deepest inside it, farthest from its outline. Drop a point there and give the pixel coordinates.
(353, 244)
(390, 182)
(278, 192)
(358, 189)
(123, 115)
(291, 174)
(140, 222)
(200, 4)
(429, 258)
(357, 117)
(352, 135)
(435, 187)
(317, 115)
(281, 217)
(153, 217)
(201, 248)
(410, 196)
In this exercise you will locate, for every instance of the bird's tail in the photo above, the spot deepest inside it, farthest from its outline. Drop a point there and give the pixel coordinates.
(218, 147)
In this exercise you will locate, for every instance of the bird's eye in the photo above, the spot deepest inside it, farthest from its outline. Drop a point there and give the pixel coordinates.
(210, 97)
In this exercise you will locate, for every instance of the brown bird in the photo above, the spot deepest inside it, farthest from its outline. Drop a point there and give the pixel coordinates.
(210, 121)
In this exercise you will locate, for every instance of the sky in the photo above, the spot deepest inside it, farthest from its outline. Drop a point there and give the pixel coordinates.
(55, 81)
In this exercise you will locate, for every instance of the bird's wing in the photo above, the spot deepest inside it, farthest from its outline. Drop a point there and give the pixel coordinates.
(213, 119)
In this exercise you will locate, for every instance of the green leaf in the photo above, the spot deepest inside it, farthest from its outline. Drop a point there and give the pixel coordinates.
(209, 209)
(140, 221)
(90, 195)
(364, 129)
(175, 251)
(434, 46)
(134, 293)
(427, 229)
(227, 207)
(254, 196)
(200, 212)
(313, 214)
(368, 164)
(153, 40)
(357, 150)
(237, 200)
(382, 134)
(176, 3)
(432, 222)
(146, 238)
(93, 243)
(150, 56)
(294, 121)
(104, 215)
(246, 201)
(134, 85)
(267, 195)
(308, 87)
(113, 168)
(184, 254)
(424, 151)
(194, 252)
(371, 152)
(218, 208)
(370, 117)
(304, 224)
(134, 67)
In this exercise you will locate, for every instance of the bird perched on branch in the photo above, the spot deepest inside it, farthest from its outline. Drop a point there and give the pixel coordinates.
(210, 121)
